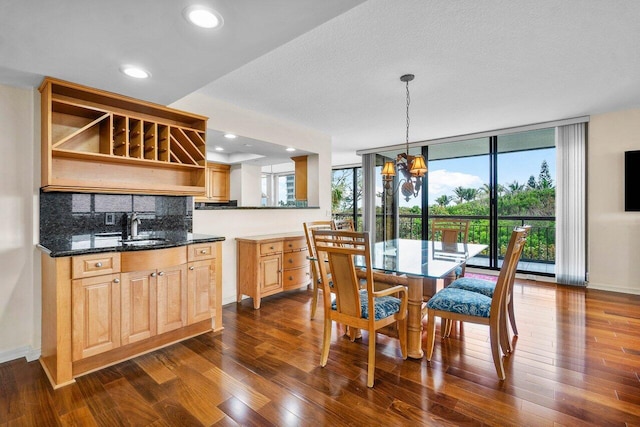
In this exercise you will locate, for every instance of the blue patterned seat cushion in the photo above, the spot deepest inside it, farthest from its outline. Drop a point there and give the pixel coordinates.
(460, 301)
(384, 306)
(481, 286)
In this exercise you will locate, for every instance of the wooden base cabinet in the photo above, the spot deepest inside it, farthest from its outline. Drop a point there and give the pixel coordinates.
(138, 306)
(96, 315)
(172, 298)
(270, 264)
(100, 309)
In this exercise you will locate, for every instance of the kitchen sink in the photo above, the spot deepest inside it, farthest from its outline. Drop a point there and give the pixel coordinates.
(144, 242)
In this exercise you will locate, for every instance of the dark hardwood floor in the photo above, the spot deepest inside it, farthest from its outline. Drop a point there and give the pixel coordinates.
(576, 362)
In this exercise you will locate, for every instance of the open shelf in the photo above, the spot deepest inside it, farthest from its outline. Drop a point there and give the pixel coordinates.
(98, 141)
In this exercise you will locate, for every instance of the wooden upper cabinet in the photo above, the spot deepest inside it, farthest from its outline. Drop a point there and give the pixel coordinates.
(301, 177)
(217, 182)
(97, 141)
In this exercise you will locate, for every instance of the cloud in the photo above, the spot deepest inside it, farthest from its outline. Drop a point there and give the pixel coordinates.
(442, 182)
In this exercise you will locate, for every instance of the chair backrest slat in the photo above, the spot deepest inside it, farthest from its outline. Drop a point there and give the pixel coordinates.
(340, 248)
(508, 269)
(450, 230)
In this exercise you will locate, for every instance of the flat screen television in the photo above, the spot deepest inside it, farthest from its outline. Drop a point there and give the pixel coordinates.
(631, 178)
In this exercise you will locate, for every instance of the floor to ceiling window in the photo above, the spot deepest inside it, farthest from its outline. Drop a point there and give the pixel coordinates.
(496, 182)
(346, 195)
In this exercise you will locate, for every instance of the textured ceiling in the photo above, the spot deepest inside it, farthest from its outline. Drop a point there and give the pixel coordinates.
(479, 65)
(334, 65)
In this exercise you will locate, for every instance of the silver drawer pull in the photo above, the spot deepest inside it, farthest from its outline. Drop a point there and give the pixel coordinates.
(161, 273)
(116, 280)
(204, 251)
(271, 247)
(153, 274)
(191, 268)
(98, 264)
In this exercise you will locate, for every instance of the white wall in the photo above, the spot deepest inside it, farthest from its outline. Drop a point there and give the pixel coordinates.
(241, 222)
(19, 260)
(614, 235)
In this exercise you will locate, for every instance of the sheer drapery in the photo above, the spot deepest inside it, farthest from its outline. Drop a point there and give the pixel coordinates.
(369, 197)
(571, 204)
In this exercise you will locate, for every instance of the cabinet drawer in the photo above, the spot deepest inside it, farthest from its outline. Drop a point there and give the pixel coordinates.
(201, 251)
(95, 265)
(295, 244)
(296, 277)
(153, 259)
(270, 248)
(295, 259)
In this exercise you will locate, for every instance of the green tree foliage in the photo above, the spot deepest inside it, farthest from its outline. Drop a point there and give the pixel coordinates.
(444, 200)
(544, 178)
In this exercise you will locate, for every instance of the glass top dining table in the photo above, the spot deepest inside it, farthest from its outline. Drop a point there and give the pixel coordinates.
(424, 258)
(421, 265)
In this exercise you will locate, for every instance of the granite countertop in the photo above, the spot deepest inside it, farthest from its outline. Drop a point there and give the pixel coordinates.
(90, 243)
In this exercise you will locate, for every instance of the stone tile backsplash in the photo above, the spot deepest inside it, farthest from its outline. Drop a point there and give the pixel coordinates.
(63, 213)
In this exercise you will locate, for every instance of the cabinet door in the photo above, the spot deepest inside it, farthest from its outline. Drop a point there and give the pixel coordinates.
(201, 291)
(95, 315)
(172, 298)
(138, 317)
(218, 190)
(270, 274)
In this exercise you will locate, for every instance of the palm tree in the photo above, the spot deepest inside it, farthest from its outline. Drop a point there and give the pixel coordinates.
(444, 200)
(515, 187)
(460, 193)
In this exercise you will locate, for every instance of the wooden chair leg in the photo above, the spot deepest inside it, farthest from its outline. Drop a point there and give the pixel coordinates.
(505, 341)
(314, 302)
(372, 358)
(431, 334)
(512, 318)
(326, 340)
(494, 334)
(402, 336)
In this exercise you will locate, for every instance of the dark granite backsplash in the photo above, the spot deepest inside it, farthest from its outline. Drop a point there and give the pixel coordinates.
(64, 213)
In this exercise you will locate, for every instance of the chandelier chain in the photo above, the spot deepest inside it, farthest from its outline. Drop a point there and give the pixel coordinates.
(408, 102)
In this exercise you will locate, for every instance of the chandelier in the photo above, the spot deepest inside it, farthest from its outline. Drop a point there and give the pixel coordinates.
(412, 168)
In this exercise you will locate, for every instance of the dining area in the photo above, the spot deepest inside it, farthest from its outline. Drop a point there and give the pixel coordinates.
(407, 281)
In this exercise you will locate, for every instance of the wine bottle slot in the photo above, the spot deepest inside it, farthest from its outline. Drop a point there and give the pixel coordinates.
(149, 136)
(147, 149)
(134, 133)
(119, 131)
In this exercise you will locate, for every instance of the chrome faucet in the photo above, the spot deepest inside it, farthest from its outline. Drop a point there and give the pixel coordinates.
(135, 221)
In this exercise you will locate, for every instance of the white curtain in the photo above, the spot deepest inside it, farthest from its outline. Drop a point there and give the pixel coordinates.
(571, 193)
(369, 198)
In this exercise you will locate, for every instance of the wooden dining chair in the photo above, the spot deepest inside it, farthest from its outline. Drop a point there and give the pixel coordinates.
(451, 231)
(317, 280)
(487, 287)
(363, 309)
(467, 306)
(344, 224)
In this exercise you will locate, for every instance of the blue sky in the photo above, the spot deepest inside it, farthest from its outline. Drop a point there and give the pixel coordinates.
(473, 172)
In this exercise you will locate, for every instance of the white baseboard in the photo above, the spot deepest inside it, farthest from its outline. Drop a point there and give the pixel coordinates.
(27, 352)
(605, 287)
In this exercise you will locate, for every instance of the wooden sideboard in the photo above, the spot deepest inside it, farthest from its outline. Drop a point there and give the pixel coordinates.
(270, 264)
(100, 309)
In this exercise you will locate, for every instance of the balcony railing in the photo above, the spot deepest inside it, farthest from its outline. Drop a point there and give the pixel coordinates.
(540, 246)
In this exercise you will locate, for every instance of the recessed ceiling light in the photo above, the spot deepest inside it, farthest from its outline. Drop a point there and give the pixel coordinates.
(230, 136)
(219, 149)
(136, 72)
(203, 17)
(291, 149)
